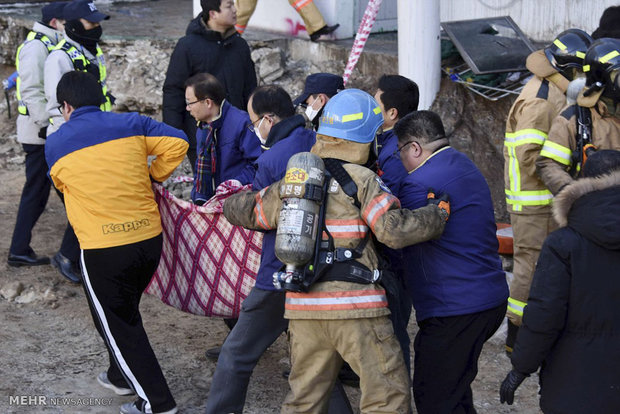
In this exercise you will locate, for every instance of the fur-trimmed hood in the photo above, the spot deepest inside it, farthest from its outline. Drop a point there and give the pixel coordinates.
(591, 206)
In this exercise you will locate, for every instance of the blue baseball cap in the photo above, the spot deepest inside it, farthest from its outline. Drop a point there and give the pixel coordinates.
(53, 11)
(84, 9)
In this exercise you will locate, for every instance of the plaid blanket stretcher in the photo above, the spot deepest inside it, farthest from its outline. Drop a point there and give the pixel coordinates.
(207, 265)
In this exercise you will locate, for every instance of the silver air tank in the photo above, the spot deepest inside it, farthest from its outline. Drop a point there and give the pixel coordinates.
(301, 194)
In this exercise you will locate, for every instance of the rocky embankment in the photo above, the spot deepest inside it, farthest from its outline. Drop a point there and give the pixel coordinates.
(137, 69)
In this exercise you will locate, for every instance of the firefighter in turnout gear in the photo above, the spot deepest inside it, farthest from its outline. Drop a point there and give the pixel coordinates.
(593, 123)
(529, 121)
(343, 314)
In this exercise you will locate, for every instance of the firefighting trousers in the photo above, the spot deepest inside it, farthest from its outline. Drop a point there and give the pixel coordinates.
(114, 279)
(306, 8)
(529, 233)
(369, 345)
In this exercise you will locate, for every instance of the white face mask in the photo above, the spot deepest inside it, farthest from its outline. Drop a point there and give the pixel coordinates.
(257, 132)
(311, 112)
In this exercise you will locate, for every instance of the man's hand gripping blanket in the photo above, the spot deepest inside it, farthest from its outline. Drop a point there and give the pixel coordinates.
(207, 265)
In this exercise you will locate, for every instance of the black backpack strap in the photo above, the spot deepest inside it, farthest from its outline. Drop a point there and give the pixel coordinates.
(584, 138)
(335, 168)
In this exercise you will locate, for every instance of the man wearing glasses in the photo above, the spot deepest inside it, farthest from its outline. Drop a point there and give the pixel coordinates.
(456, 283)
(227, 148)
(261, 320)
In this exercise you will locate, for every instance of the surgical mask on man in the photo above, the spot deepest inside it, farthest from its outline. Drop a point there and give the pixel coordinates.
(311, 113)
(258, 134)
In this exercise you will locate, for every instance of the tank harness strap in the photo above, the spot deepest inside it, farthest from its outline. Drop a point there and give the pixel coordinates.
(351, 272)
(335, 168)
(584, 140)
(338, 263)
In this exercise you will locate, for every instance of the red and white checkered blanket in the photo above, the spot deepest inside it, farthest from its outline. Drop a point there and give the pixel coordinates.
(207, 266)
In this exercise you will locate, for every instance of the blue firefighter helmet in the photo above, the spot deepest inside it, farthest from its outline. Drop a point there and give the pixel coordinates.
(351, 114)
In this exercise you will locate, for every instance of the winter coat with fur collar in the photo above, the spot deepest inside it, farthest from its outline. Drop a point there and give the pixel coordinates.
(571, 325)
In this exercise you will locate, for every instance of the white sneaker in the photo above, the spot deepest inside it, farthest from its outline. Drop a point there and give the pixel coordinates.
(137, 407)
(103, 380)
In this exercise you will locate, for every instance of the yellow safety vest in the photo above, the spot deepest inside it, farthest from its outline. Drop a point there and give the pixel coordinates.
(21, 105)
(81, 63)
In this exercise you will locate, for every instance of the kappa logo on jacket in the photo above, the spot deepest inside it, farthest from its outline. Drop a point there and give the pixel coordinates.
(128, 226)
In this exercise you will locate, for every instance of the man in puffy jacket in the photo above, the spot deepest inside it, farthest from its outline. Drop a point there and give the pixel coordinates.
(210, 45)
(344, 315)
(32, 123)
(571, 325)
(227, 148)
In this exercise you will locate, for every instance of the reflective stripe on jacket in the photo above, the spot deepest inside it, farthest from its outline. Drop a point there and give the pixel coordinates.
(527, 126)
(555, 157)
(81, 63)
(21, 105)
(379, 210)
(30, 62)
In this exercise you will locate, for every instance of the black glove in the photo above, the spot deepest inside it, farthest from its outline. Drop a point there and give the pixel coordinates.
(442, 202)
(43, 132)
(510, 385)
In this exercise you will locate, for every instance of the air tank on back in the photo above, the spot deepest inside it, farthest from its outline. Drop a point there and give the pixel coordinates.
(301, 194)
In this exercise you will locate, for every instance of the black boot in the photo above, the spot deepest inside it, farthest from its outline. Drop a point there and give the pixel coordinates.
(325, 30)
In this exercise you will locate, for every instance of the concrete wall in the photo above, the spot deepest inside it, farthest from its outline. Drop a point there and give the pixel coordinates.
(541, 20)
(279, 16)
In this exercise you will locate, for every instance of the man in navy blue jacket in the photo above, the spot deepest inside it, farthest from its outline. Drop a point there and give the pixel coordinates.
(456, 283)
(397, 96)
(261, 322)
(227, 148)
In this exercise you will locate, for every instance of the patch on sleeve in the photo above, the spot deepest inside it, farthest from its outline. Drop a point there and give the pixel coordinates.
(333, 187)
(382, 185)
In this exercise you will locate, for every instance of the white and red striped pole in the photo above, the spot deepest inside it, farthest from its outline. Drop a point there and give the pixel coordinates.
(368, 20)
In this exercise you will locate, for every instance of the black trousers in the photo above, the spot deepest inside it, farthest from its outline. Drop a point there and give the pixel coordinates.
(32, 204)
(114, 279)
(446, 360)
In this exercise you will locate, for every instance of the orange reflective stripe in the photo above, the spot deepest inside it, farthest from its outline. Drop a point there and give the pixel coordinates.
(346, 229)
(378, 207)
(332, 301)
(299, 4)
(261, 220)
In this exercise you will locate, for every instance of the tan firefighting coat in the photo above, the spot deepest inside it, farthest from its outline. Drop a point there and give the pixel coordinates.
(555, 158)
(527, 126)
(380, 213)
